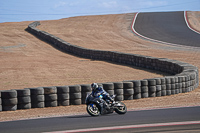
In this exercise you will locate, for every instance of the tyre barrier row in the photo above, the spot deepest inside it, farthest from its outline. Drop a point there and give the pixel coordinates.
(185, 78)
(76, 94)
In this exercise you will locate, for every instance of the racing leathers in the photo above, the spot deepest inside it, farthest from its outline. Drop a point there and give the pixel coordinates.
(100, 91)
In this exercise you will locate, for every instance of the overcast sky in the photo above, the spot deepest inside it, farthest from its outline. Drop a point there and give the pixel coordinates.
(26, 10)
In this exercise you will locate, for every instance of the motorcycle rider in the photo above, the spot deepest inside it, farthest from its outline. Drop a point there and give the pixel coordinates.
(97, 91)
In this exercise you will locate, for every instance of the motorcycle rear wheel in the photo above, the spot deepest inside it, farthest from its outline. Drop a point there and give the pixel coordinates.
(122, 109)
(93, 110)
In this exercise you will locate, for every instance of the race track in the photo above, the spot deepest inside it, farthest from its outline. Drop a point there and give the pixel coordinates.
(131, 118)
(167, 27)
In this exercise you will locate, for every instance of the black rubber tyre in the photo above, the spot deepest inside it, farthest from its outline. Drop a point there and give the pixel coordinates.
(144, 95)
(23, 100)
(128, 85)
(37, 105)
(151, 82)
(10, 108)
(168, 92)
(144, 82)
(144, 89)
(158, 94)
(86, 88)
(75, 95)
(74, 88)
(51, 97)
(93, 111)
(23, 92)
(152, 94)
(119, 98)
(137, 96)
(137, 89)
(118, 85)
(64, 96)
(111, 92)
(50, 90)
(24, 106)
(62, 89)
(163, 82)
(75, 101)
(128, 91)
(9, 102)
(168, 87)
(37, 98)
(163, 87)
(108, 86)
(167, 80)
(36, 91)
(63, 103)
(136, 83)
(152, 88)
(119, 91)
(128, 97)
(121, 110)
(158, 81)
(158, 88)
(163, 93)
(6, 94)
(51, 103)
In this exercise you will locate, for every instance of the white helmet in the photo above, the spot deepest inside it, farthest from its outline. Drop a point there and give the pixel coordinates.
(94, 86)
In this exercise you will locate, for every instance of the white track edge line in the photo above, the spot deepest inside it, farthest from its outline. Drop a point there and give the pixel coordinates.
(128, 127)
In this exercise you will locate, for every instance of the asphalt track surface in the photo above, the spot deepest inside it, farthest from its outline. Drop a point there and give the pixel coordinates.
(130, 118)
(167, 27)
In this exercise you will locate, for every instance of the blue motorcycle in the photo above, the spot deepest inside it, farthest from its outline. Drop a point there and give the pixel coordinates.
(98, 106)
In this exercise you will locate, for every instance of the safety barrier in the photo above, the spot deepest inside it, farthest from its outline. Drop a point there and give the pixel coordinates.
(185, 78)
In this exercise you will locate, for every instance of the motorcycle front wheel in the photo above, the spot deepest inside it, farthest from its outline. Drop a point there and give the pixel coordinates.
(93, 110)
(121, 109)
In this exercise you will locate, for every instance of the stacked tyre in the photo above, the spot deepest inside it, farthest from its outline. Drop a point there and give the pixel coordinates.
(85, 90)
(180, 82)
(75, 94)
(63, 95)
(187, 82)
(24, 99)
(173, 85)
(50, 96)
(168, 86)
(158, 87)
(128, 90)
(109, 87)
(119, 91)
(152, 87)
(37, 97)
(163, 87)
(137, 89)
(144, 89)
(177, 86)
(9, 100)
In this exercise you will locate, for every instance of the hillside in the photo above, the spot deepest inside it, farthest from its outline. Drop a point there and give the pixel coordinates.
(29, 62)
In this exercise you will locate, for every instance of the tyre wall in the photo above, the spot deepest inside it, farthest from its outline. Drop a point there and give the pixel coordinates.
(184, 78)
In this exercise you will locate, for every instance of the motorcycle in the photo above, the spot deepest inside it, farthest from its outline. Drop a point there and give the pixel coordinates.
(98, 106)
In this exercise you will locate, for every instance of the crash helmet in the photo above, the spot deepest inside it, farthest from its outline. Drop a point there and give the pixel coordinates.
(94, 86)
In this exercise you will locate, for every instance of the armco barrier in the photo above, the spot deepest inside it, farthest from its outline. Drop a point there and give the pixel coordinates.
(185, 78)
